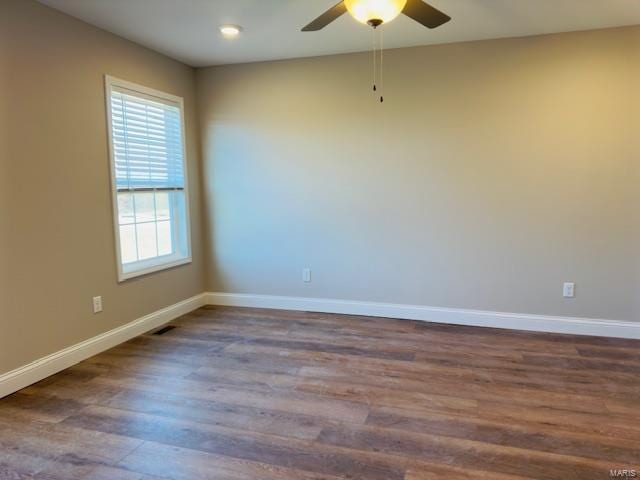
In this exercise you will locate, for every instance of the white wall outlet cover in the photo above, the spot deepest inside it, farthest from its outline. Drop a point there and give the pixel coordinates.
(97, 304)
(306, 275)
(569, 290)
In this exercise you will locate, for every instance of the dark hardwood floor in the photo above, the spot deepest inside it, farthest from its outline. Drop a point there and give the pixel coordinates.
(244, 394)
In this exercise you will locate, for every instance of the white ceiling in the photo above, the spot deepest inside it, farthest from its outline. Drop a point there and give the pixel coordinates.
(188, 29)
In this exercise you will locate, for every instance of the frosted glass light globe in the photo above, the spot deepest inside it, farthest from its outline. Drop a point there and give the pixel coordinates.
(366, 10)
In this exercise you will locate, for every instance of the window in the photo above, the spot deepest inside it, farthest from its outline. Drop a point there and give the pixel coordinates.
(148, 173)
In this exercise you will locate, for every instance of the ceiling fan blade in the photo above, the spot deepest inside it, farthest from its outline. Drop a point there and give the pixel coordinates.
(326, 18)
(425, 14)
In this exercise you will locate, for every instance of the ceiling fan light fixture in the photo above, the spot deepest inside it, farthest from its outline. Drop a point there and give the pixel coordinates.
(376, 11)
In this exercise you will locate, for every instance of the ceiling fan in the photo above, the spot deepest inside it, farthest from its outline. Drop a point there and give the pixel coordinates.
(376, 12)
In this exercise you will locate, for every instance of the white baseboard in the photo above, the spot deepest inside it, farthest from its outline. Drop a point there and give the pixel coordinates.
(34, 372)
(40, 369)
(456, 316)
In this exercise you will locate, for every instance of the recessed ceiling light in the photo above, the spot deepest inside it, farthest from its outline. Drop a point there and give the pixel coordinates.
(230, 31)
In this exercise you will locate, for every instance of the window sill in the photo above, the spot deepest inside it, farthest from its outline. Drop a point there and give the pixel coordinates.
(124, 274)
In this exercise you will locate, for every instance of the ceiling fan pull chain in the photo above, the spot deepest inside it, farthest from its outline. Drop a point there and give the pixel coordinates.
(381, 66)
(373, 36)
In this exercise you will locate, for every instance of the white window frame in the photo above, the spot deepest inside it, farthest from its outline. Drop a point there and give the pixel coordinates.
(145, 267)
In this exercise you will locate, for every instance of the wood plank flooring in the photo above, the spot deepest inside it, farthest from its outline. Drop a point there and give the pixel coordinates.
(246, 394)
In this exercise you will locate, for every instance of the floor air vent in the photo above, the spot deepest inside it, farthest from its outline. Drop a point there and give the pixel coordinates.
(164, 330)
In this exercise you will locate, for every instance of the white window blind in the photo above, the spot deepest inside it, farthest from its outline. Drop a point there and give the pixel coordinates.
(149, 184)
(147, 142)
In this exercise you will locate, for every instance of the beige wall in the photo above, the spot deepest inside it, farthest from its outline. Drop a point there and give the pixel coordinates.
(634, 104)
(57, 251)
(4, 177)
(493, 172)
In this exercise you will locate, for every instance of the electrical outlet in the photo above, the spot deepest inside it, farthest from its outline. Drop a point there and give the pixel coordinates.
(306, 275)
(569, 290)
(97, 304)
